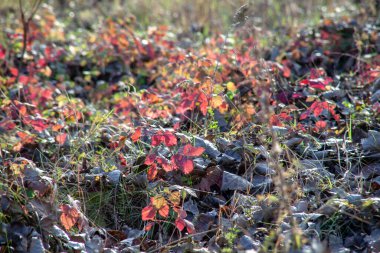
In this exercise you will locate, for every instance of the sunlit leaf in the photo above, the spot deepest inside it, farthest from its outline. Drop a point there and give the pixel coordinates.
(190, 150)
(61, 138)
(69, 216)
(148, 213)
(231, 86)
(136, 135)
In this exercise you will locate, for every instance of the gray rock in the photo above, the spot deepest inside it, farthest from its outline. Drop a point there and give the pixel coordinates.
(114, 176)
(191, 206)
(257, 213)
(263, 169)
(372, 142)
(210, 149)
(302, 206)
(247, 243)
(234, 182)
(355, 199)
(97, 170)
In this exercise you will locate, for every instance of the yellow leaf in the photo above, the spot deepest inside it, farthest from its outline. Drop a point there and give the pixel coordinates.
(175, 197)
(158, 202)
(218, 89)
(231, 86)
(216, 101)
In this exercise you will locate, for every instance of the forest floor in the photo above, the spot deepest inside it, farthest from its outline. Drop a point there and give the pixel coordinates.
(118, 139)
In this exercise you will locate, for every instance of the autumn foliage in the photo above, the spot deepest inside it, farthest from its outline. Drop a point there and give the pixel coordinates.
(187, 133)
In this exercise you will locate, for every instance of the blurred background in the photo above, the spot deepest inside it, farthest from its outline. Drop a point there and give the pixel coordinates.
(205, 15)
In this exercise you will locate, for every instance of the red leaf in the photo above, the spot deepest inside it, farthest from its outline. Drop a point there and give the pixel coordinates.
(156, 140)
(164, 211)
(14, 71)
(176, 126)
(187, 166)
(166, 137)
(136, 135)
(304, 115)
(149, 160)
(2, 54)
(37, 124)
(317, 84)
(190, 227)
(321, 124)
(123, 161)
(7, 124)
(203, 103)
(46, 94)
(169, 139)
(61, 138)
(180, 224)
(23, 79)
(189, 150)
(149, 226)
(318, 107)
(148, 213)
(286, 72)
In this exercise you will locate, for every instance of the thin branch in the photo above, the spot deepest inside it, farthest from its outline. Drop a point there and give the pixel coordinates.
(180, 240)
(26, 22)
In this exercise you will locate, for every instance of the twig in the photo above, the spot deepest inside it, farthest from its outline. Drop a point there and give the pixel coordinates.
(26, 22)
(181, 239)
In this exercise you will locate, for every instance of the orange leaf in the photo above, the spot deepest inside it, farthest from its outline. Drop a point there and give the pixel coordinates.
(164, 164)
(149, 226)
(61, 138)
(69, 216)
(152, 172)
(148, 213)
(17, 147)
(189, 150)
(203, 103)
(136, 135)
(164, 211)
(56, 127)
(216, 101)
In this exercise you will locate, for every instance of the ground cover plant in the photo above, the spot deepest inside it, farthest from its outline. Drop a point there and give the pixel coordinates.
(115, 137)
